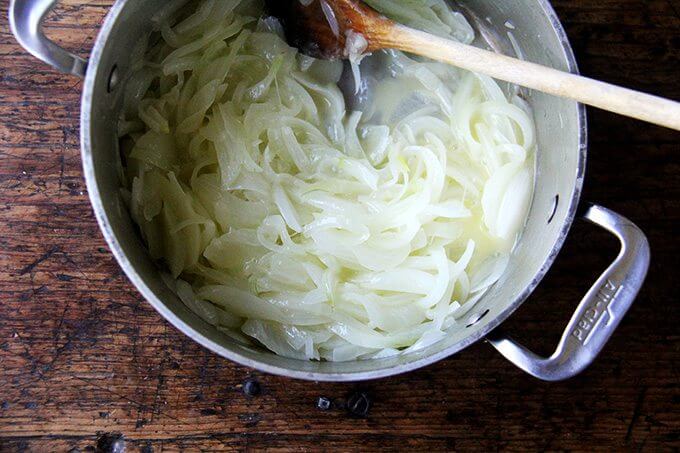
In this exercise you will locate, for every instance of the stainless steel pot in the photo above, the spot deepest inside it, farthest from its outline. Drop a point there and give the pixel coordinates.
(561, 164)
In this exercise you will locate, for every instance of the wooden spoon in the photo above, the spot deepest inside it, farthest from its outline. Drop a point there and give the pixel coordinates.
(319, 28)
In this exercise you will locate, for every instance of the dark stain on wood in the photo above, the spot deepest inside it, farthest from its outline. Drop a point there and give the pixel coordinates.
(82, 355)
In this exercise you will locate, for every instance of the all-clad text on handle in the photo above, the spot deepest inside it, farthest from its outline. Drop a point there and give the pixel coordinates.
(600, 311)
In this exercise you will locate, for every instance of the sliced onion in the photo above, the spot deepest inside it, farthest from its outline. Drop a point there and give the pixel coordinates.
(315, 231)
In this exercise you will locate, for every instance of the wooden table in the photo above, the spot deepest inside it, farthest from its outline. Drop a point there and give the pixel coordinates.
(84, 359)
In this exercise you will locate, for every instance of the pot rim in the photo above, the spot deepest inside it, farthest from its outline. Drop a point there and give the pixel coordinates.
(185, 328)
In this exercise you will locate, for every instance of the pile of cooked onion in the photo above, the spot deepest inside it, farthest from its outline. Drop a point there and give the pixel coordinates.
(321, 225)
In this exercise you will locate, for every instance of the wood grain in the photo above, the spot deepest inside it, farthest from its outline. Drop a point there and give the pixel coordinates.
(82, 356)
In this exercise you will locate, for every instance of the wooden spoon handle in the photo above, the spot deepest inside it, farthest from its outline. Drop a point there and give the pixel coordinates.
(623, 101)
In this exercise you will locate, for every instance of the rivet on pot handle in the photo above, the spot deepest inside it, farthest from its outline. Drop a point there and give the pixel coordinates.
(600, 311)
(26, 18)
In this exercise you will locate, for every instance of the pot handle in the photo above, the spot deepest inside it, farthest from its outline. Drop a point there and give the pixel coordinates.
(25, 19)
(600, 311)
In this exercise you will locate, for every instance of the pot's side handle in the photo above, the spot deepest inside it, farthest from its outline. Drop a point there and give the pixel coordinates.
(600, 311)
(26, 18)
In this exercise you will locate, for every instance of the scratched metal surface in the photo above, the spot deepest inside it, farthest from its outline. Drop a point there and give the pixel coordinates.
(84, 359)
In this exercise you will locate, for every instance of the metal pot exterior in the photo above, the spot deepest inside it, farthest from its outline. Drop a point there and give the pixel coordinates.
(561, 133)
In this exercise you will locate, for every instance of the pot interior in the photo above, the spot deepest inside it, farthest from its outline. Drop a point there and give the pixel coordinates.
(527, 26)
